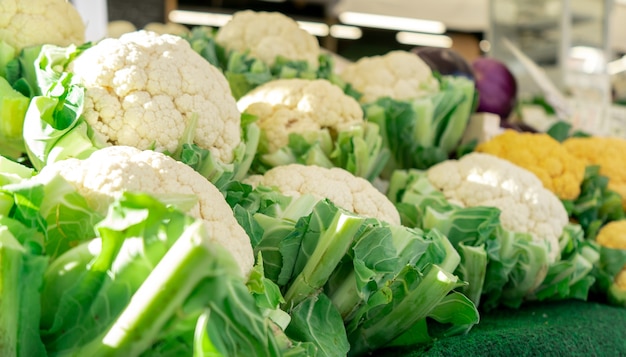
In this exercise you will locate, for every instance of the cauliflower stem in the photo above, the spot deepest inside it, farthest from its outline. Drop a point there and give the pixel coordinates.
(21, 274)
(355, 261)
(610, 269)
(13, 105)
(177, 263)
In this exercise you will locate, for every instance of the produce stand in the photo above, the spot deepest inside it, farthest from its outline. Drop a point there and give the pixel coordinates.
(565, 328)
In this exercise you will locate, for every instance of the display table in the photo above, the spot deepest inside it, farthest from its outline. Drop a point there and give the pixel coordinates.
(569, 328)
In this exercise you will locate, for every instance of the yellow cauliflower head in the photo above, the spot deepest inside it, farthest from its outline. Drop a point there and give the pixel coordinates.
(267, 35)
(286, 106)
(613, 235)
(607, 152)
(559, 171)
(143, 88)
(26, 23)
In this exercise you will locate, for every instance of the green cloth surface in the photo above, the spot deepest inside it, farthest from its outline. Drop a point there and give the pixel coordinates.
(563, 329)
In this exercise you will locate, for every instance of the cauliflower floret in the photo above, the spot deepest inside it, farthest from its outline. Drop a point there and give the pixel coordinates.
(479, 179)
(143, 88)
(607, 152)
(267, 35)
(26, 23)
(398, 74)
(286, 106)
(109, 172)
(347, 191)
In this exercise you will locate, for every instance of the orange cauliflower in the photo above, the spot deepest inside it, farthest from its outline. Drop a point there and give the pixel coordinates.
(608, 153)
(558, 170)
(612, 237)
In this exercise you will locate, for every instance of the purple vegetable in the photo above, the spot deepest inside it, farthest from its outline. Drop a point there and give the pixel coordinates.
(496, 86)
(446, 61)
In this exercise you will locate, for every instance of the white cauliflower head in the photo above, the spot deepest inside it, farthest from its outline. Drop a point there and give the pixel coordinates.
(109, 172)
(352, 193)
(26, 23)
(143, 88)
(479, 179)
(397, 74)
(172, 28)
(286, 106)
(267, 35)
(117, 28)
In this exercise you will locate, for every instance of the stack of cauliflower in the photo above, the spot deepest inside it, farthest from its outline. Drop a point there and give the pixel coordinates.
(156, 110)
(154, 92)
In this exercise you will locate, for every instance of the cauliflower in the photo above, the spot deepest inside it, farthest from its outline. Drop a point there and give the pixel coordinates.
(110, 171)
(398, 74)
(559, 171)
(26, 23)
(143, 89)
(117, 28)
(167, 28)
(347, 191)
(606, 152)
(313, 122)
(286, 106)
(421, 117)
(268, 35)
(480, 179)
(612, 237)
